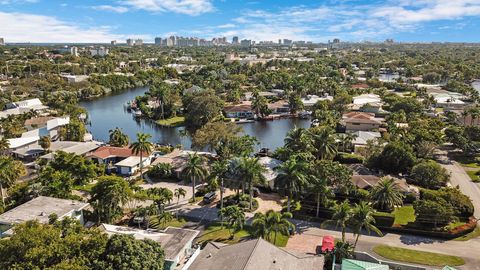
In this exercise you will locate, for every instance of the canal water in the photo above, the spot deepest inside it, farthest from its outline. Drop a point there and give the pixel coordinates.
(108, 112)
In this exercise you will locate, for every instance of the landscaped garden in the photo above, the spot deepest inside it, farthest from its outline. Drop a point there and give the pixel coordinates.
(416, 256)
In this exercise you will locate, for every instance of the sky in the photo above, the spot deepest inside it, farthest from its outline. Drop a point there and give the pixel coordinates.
(309, 20)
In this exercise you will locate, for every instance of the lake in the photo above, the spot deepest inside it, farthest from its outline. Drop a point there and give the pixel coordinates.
(108, 112)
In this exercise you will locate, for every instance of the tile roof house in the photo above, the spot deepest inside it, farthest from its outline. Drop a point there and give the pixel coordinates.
(111, 154)
(361, 121)
(177, 243)
(241, 110)
(252, 255)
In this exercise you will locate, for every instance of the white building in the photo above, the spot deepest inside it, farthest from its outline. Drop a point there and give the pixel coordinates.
(130, 42)
(131, 165)
(2, 41)
(100, 51)
(311, 100)
(21, 107)
(138, 42)
(74, 51)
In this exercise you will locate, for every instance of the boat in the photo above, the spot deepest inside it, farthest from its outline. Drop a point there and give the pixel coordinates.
(137, 113)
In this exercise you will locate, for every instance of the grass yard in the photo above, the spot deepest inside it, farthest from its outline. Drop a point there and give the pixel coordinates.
(474, 175)
(217, 234)
(172, 122)
(474, 234)
(404, 215)
(178, 223)
(467, 161)
(416, 256)
(86, 188)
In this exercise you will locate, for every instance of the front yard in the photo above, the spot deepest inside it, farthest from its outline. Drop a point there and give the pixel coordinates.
(404, 215)
(416, 256)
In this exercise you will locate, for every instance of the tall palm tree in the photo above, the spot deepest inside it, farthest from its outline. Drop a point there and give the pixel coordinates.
(194, 170)
(252, 171)
(179, 192)
(297, 140)
(161, 92)
(322, 190)
(324, 142)
(219, 169)
(142, 146)
(341, 217)
(292, 176)
(118, 138)
(386, 195)
(10, 171)
(362, 218)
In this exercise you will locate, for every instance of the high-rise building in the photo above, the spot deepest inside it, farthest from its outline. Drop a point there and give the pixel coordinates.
(138, 42)
(2, 41)
(336, 40)
(279, 41)
(235, 40)
(74, 51)
(287, 42)
(246, 42)
(158, 41)
(113, 42)
(172, 41)
(130, 42)
(100, 51)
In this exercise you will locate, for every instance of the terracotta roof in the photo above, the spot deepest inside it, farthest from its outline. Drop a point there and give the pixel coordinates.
(361, 117)
(110, 151)
(360, 86)
(242, 107)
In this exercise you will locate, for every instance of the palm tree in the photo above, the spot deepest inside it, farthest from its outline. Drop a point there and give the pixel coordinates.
(252, 171)
(142, 146)
(179, 192)
(278, 223)
(363, 219)
(235, 218)
(297, 140)
(386, 195)
(219, 169)
(260, 227)
(4, 145)
(10, 171)
(323, 142)
(292, 176)
(194, 169)
(341, 217)
(322, 190)
(45, 143)
(118, 138)
(161, 92)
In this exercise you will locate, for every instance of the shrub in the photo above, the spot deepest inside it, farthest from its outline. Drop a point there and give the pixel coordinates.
(383, 219)
(396, 157)
(461, 203)
(429, 174)
(436, 213)
(161, 170)
(347, 158)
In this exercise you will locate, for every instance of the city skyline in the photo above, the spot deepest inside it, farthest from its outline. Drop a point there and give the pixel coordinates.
(317, 21)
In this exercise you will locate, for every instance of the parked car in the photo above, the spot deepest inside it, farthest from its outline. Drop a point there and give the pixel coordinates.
(209, 197)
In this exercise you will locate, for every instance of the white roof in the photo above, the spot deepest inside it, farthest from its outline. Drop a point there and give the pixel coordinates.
(270, 164)
(310, 100)
(366, 98)
(58, 122)
(130, 162)
(364, 136)
(29, 103)
(23, 141)
(136, 233)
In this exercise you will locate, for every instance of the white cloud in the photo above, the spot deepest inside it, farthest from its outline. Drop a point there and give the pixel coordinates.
(116, 9)
(9, 2)
(189, 7)
(23, 27)
(228, 25)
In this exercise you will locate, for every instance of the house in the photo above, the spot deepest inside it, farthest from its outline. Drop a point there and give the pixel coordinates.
(311, 100)
(21, 107)
(131, 165)
(111, 154)
(366, 98)
(279, 107)
(177, 243)
(40, 208)
(270, 165)
(74, 78)
(242, 110)
(361, 121)
(252, 255)
(177, 159)
(362, 138)
(349, 264)
(195, 89)
(77, 148)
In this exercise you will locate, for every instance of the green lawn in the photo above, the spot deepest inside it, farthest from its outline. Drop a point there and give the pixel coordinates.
(474, 175)
(86, 188)
(217, 234)
(404, 215)
(416, 256)
(178, 223)
(467, 161)
(172, 122)
(474, 234)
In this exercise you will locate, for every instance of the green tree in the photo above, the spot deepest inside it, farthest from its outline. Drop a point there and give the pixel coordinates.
(260, 105)
(45, 143)
(10, 171)
(201, 108)
(219, 170)
(292, 176)
(323, 142)
(298, 140)
(234, 217)
(433, 212)
(195, 170)
(429, 174)
(342, 216)
(118, 138)
(108, 197)
(73, 131)
(386, 195)
(4, 145)
(362, 218)
(252, 171)
(396, 157)
(179, 192)
(142, 146)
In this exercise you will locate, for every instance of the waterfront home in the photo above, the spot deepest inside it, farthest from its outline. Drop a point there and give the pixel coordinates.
(266, 94)
(241, 110)
(177, 243)
(362, 138)
(270, 173)
(77, 148)
(41, 208)
(177, 159)
(279, 107)
(252, 255)
(361, 121)
(21, 107)
(131, 165)
(110, 155)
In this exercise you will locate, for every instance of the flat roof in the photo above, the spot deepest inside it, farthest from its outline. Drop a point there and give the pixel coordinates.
(39, 209)
(131, 161)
